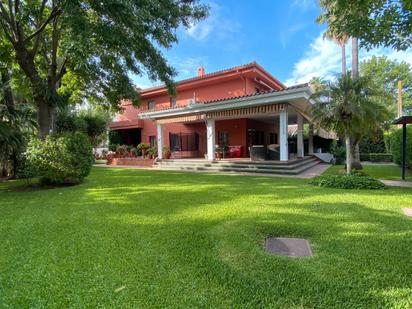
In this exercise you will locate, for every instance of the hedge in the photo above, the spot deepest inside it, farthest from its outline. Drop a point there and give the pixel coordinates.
(351, 181)
(396, 146)
(380, 157)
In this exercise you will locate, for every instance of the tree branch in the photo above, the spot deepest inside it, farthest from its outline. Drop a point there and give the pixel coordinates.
(38, 38)
(54, 13)
(62, 71)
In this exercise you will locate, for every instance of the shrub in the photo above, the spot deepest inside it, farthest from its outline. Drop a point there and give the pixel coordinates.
(122, 150)
(61, 159)
(152, 151)
(364, 156)
(396, 146)
(338, 151)
(134, 151)
(356, 180)
(143, 146)
(380, 157)
(373, 144)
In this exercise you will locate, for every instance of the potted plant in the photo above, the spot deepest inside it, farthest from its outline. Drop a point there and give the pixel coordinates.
(166, 153)
(152, 151)
(142, 148)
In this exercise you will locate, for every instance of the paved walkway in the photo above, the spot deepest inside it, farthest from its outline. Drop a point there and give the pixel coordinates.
(398, 183)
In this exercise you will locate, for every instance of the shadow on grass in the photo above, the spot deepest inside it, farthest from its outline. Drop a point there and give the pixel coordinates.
(177, 239)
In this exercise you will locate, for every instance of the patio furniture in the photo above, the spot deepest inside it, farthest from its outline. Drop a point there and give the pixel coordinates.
(235, 151)
(273, 152)
(257, 153)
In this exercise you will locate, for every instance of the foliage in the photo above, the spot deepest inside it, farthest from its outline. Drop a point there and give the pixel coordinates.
(122, 150)
(374, 22)
(143, 146)
(96, 124)
(338, 151)
(346, 106)
(92, 122)
(384, 75)
(17, 122)
(396, 146)
(61, 159)
(152, 151)
(134, 151)
(373, 143)
(197, 240)
(347, 181)
(380, 157)
(89, 48)
(378, 171)
(115, 139)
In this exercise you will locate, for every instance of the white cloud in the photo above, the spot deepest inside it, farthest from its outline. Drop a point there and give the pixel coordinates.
(323, 59)
(217, 24)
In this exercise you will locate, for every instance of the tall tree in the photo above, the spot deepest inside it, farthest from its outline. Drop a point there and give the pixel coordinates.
(347, 107)
(384, 75)
(375, 22)
(95, 43)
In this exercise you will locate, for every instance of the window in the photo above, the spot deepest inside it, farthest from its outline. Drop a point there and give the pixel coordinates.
(273, 138)
(152, 140)
(151, 105)
(184, 141)
(172, 102)
(223, 139)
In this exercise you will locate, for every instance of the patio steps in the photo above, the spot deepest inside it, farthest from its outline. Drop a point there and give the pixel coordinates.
(293, 167)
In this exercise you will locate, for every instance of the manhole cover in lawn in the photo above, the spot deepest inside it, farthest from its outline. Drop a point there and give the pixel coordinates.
(407, 212)
(288, 246)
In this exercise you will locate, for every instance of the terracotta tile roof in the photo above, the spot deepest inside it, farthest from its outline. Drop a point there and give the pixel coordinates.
(233, 98)
(243, 66)
(257, 93)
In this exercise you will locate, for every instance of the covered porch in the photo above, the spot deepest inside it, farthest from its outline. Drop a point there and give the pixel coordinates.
(255, 127)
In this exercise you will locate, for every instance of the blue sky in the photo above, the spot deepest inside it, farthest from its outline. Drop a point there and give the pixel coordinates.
(281, 35)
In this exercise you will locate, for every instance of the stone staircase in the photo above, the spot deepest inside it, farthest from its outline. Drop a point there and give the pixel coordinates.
(292, 167)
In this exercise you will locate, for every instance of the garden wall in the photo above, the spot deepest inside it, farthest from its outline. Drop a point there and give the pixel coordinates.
(143, 162)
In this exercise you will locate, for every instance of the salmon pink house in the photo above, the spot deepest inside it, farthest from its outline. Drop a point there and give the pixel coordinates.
(239, 112)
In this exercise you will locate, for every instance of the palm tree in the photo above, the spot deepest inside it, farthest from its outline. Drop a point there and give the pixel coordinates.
(341, 39)
(348, 107)
(15, 121)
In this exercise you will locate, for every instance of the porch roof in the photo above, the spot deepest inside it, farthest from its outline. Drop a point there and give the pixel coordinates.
(297, 96)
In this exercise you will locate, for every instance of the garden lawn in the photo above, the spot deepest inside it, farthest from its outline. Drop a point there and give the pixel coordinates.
(139, 238)
(378, 171)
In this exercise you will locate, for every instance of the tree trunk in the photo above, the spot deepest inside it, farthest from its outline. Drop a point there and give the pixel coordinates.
(348, 144)
(355, 58)
(343, 47)
(8, 93)
(355, 75)
(44, 114)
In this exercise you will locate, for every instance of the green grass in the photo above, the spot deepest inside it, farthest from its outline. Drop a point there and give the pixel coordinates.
(138, 238)
(383, 171)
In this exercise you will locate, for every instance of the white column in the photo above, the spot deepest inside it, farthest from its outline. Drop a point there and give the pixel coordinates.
(159, 141)
(310, 142)
(283, 132)
(300, 146)
(210, 134)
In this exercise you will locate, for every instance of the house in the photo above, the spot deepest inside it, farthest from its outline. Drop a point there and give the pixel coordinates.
(237, 110)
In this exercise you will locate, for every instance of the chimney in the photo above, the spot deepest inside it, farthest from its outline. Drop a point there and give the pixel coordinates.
(200, 71)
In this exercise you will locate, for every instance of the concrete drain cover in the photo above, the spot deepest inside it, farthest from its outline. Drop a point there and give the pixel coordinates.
(288, 246)
(407, 212)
